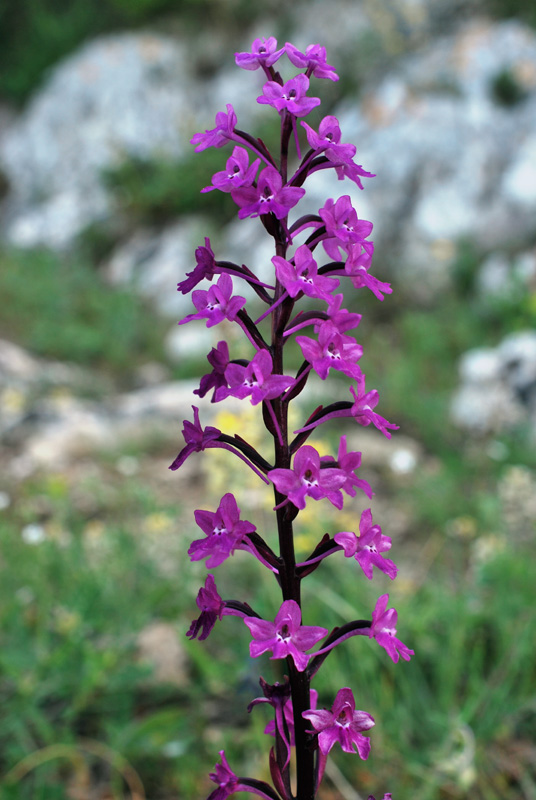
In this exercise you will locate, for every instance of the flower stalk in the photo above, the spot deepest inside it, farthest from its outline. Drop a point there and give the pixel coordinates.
(304, 734)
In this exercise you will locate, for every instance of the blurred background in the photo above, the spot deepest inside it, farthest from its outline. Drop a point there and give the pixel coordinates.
(101, 694)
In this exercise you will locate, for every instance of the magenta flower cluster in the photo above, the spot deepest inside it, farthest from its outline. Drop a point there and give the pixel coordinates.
(269, 187)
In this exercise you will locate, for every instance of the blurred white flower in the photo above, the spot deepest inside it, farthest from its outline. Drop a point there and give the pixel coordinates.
(33, 533)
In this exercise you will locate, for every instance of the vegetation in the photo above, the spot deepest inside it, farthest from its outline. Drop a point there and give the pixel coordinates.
(105, 557)
(34, 35)
(59, 307)
(91, 555)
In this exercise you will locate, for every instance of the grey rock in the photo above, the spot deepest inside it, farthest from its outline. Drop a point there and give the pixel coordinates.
(120, 95)
(24, 379)
(16, 363)
(485, 409)
(518, 355)
(494, 275)
(519, 180)
(318, 22)
(481, 366)
(57, 430)
(450, 160)
(153, 262)
(165, 401)
(503, 276)
(498, 386)
(190, 341)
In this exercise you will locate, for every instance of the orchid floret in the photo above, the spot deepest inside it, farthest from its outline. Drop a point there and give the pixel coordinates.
(291, 96)
(286, 636)
(302, 275)
(263, 52)
(224, 530)
(238, 172)
(217, 303)
(220, 134)
(313, 60)
(343, 724)
(268, 197)
(367, 548)
(383, 629)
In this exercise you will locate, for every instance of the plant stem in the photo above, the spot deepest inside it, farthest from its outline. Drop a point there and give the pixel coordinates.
(290, 582)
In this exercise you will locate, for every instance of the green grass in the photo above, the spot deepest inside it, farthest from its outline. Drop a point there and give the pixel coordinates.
(456, 723)
(60, 308)
(471, 680)
(71, 606)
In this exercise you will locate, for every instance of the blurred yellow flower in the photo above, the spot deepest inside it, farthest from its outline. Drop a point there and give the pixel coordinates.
(157, 522)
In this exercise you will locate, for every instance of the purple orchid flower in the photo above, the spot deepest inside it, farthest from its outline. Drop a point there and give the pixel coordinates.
(387, 796)
(291, 96)
(229, 783)
(224, 530)
(357, 266)
(218, 136)
(263, 53)
(286, 636)
(269, 196)
(367, 548)
(343, 319)
(237, 172)
(342, 225)
(196, 439)
(349, 169)
(314, 60)
(383, 629)
(332, 350)
(362, 411)
(205, 268)
(348, 463)
(218, 358)
(302, 275)
(342, 724)
(217, 303)
(309, 479)
(298, 472)
(328, 140)
(225, 778)
(255, 380)
(211, 606)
